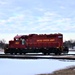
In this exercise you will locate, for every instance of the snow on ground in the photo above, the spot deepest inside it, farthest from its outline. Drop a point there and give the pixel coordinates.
(71, 52)
(31, 67)
(72, 48)
(1, 51)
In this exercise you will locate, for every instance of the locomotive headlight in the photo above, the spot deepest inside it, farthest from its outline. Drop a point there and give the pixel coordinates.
(59, 36)
(16, 42)
(57, 47)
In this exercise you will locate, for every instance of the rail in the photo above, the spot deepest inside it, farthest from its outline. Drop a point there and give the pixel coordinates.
(28, 56)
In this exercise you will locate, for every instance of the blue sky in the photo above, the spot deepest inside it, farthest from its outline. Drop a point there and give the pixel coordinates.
(37, 16)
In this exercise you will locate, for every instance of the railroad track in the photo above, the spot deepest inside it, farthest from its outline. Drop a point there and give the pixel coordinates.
(39, 56)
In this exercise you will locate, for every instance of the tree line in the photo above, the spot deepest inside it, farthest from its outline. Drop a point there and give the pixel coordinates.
(69, 43)
(2, 43)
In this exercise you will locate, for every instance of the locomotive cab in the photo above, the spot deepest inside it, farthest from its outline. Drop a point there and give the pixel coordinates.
(16, 45)
(19, 40)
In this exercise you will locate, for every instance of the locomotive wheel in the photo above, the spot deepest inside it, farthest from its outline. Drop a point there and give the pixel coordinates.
(6, 53)
(44, 53)
(20, 53)
(59, 53)
(15, 53)
(11, 53)
(24, 53)
(48, 53)
(56, 53)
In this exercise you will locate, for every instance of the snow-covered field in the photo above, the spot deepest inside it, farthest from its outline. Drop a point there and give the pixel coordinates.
(72, 49)
(32, 66)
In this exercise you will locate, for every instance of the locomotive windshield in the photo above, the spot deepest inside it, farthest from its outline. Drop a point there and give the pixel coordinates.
(16, 39)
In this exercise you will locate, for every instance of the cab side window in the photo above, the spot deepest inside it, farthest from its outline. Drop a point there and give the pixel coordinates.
(23, 41)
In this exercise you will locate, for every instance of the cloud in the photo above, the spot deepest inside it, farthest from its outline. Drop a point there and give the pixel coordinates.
(62, 7)
(3, 2)
(37, 19)
(12, 23)
(39, 9)
(54, 22)
(29, 23)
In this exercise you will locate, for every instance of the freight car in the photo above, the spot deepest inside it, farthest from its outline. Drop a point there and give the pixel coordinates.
(35, 43)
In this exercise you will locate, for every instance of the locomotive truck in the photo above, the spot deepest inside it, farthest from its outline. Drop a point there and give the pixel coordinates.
(36, 43)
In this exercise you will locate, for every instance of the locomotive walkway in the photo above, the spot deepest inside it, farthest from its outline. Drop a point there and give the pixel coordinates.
(39, 56)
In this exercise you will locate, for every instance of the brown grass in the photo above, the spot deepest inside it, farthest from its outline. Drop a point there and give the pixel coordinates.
(67, 71)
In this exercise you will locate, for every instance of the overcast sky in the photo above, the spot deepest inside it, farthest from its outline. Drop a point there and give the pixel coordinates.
(37, 16)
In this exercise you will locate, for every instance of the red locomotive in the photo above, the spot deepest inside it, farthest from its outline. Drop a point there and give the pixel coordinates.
(35, 43)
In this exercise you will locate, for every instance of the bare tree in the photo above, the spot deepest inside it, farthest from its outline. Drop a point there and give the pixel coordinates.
(69, 43)
(2, 43)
